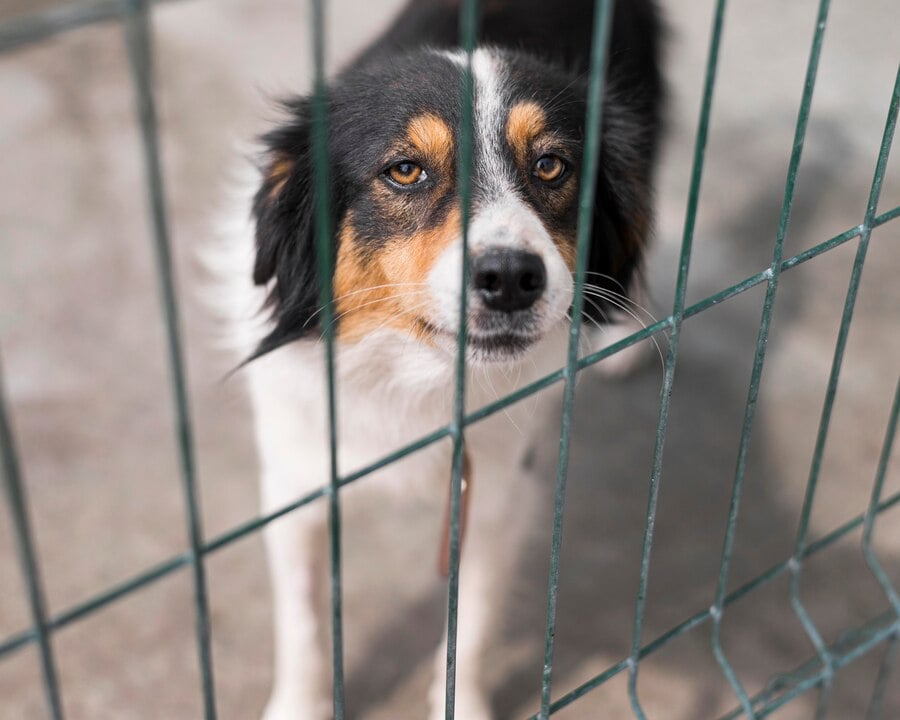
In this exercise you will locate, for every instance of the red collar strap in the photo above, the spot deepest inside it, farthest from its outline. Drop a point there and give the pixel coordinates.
(465, 490)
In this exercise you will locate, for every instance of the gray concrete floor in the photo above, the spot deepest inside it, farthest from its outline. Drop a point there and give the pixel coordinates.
(85, 373)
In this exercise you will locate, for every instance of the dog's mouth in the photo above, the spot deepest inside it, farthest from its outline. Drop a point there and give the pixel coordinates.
(484, 345)
(499, 347)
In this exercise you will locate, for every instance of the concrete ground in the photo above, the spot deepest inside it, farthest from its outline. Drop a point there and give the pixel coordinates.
(86, 380)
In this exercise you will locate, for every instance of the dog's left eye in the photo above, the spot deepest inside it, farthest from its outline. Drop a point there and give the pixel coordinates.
(405, 173)
(549, 168)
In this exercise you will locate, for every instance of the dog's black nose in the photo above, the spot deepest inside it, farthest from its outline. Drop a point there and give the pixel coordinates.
(508, 280)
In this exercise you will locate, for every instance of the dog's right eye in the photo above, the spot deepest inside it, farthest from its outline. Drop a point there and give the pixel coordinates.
(549, 169)
(405, 173)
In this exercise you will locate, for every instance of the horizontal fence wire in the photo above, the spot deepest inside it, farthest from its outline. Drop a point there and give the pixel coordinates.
(817, 672)
(139, 47)
(851, 646)
(35, 27)
(699, 618)
(885, 671)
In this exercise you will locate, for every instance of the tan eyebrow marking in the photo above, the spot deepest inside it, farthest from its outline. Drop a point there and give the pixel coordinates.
(525, 123)
(432, 137)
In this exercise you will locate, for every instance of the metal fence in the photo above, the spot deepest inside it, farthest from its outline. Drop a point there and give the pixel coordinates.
(818, 673)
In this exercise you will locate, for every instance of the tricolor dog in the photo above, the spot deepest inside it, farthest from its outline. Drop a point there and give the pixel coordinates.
(393, 145)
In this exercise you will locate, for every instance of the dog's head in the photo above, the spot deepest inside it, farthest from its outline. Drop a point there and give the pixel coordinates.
(393, 141)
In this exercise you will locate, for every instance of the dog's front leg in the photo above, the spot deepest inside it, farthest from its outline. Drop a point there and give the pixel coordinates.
(294, 547)
(502, 503)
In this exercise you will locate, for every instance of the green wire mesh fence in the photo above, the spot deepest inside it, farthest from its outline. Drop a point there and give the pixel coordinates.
(818, 673)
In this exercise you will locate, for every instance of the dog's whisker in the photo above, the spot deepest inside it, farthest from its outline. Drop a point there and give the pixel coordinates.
(390, 318)
(375, 302)
(638, 320)
(344, 296)
(606, 277)
(379, 287)
(598, 308)
(497, 397)
(584, 345)
(552, 102)
(619, 296)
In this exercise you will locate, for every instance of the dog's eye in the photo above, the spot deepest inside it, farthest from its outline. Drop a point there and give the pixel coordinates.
(549, 168)
(405, 173)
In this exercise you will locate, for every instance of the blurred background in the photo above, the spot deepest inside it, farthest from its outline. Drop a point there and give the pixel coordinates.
(86, 379)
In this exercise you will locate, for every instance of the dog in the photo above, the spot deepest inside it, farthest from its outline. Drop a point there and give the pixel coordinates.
(393, 136)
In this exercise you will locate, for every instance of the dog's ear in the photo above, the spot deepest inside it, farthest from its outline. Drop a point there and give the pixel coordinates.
(285, 234)
(623, 202)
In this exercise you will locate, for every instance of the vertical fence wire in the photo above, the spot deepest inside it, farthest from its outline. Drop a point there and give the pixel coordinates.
(883, 460)
(843, 332)
(885, 670)
(324, 259)
(678, 306)
(468, 29)
(138, 41)
(760, 355)
(828, 405)
(18, 509)
(871, 512)
(588, 184)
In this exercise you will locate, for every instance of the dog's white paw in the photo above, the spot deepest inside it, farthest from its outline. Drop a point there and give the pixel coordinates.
(284, 707)
(625, 362)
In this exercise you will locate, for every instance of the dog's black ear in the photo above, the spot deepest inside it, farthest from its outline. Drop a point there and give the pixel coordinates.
(623, 216)
(285, 234)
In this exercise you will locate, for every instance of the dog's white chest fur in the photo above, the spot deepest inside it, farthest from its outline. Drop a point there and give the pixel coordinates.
(389, 393)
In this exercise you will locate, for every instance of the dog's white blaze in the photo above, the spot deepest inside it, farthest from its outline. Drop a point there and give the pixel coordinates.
(490, 111)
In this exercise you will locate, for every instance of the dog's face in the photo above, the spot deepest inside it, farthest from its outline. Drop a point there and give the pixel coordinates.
(393, 153)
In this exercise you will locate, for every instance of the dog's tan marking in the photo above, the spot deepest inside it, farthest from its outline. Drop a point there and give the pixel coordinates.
(525, 123)
(433, 138)
(278, 174)
(566, 245)
(386, 287)
(411, 259)
(361, 301)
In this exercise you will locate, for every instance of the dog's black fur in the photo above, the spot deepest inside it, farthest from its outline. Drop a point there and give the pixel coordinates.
(369, 102)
